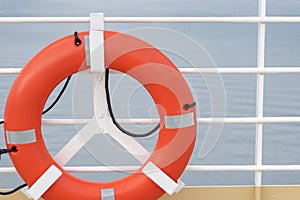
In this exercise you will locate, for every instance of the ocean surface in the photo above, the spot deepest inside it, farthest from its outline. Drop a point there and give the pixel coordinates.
(225, 45)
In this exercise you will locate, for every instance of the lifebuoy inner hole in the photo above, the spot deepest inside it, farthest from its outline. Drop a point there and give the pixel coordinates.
(129, 100)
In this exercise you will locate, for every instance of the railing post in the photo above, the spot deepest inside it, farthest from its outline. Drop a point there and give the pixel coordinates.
(260, 97)
(96, 42)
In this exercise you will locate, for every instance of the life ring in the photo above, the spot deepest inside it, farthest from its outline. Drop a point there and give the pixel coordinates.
(26, 100)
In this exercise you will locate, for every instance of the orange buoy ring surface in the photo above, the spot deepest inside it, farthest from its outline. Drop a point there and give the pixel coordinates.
(124, 53)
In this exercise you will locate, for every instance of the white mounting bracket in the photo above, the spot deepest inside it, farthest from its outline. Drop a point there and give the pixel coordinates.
(101, 122)
(97, 62)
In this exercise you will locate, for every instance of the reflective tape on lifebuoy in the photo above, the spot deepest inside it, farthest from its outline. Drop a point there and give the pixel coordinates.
(126, 54)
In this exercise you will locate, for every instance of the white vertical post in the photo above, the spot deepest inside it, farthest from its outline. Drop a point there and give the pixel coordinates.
(97, 42)
(97, 61)
(260, 96)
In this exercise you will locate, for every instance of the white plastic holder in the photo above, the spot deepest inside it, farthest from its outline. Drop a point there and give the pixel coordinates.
(97, 42)
(97, 61)
(108, 127)
(101, 123)
(97, 64)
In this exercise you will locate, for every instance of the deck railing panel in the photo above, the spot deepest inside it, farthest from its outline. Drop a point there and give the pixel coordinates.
(266, 19)
(260, 70)
(261, 39)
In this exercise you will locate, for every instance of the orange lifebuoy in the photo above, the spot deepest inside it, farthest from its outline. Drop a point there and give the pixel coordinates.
(124, 53)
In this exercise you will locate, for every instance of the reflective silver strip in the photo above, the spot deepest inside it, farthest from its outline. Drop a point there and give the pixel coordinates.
(87, 50)
(21, 137)
(179, 121)
(108, 194)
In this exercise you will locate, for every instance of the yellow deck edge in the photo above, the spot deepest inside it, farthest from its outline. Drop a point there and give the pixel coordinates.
(219, 193)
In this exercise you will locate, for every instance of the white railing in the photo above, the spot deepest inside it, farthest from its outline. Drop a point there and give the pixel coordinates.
(244, 70)
(260, 70)
(190, 168)
(261, 19)
(228, 120)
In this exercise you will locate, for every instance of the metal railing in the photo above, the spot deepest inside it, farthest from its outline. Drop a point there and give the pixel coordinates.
(261, 19)
(260, 70)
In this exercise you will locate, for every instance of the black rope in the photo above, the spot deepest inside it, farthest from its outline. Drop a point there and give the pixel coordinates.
(14, 190)
(113, 117)
(15, 149)
(58, 97)
(4, 151)
(77, 40)
(188, 106)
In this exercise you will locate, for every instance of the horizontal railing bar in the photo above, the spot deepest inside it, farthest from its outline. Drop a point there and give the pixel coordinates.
(229, 120)
(248, 120)
(204, 19)
(152, 19)
(231, 168)
(232, 70)
(189, 168)
(248, 70)
(10, 70)
(44, 19)
(237, 120)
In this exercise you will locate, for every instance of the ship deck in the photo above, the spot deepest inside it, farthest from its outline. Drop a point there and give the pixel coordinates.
(218, 192)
